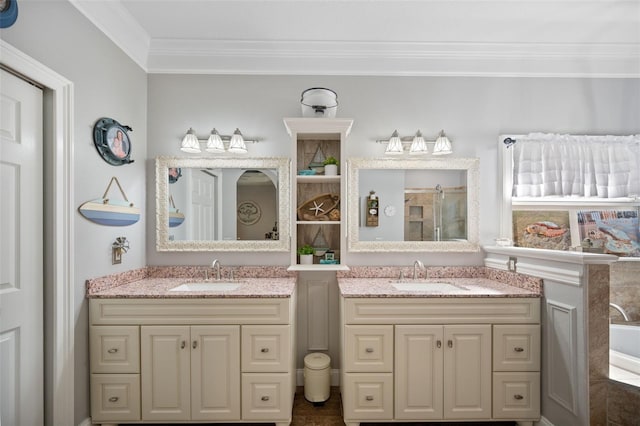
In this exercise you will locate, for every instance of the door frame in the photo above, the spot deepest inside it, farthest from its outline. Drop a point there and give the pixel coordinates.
(59, 239)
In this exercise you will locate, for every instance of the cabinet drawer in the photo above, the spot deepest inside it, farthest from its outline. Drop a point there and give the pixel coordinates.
(266, 396)
(115, 349)
(115, 397)
(266, 348)
(368, 349)
(368, 396)
(516, 348)
(516, 395)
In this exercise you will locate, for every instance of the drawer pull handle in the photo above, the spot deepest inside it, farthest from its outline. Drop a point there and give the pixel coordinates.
(195, 344)
(369, 398)
(264, 350)
(518, 349)
(518, 397)
(183, 344)
(113, 399)
(450, 343)
(369, 350)
(265, 398)
(113, 350)
(438, 344)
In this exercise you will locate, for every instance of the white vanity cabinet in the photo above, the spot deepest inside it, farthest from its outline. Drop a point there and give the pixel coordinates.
(457, 359)
(192, 360)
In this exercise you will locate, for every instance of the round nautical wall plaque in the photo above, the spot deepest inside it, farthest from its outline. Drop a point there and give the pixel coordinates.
(112, 141)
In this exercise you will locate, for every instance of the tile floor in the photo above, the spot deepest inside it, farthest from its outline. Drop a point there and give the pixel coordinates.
(305, 413)
(330, 414)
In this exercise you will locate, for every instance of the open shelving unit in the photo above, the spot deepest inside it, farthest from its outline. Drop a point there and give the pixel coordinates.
(313, 138)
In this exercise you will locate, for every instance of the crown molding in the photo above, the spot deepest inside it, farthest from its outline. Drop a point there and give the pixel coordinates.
(537, 55)
(117, 24)
(611, 60)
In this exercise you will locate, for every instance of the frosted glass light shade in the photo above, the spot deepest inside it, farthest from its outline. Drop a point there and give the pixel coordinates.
(443, 145)
(236, 144)
(190, 142)
(214, 143)
(418, 146)
(394, 147)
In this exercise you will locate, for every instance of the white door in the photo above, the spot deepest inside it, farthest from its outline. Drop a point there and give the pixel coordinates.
(203, 204)
(21, 260)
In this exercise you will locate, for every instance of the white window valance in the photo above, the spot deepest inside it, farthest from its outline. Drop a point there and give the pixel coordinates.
(575, 165)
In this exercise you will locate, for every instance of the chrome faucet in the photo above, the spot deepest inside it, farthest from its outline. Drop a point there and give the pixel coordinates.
(417, 264)
(622, 311)
(216, 264)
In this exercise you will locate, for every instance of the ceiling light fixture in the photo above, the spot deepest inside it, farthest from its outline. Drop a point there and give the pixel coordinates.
(417, 145)
(215, 143)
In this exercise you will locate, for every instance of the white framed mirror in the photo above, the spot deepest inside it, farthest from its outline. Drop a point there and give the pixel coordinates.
(222, 204)
(418, 204)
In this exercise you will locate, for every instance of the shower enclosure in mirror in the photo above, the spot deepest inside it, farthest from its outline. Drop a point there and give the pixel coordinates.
(224, 204)
(423, 204)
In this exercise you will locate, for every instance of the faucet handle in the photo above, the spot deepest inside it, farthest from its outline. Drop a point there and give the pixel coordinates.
(231, 276)
(401, 277)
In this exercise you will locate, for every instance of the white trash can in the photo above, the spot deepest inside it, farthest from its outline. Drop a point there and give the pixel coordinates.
(317, 377)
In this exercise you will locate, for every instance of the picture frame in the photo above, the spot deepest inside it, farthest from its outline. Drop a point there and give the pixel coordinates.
(248, 212)
(112, 141)
(611, 231)
(175, 173)
(545, 229)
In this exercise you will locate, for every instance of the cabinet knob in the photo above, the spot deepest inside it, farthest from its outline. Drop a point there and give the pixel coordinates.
(368, 398)
(518, 397)
(518, 349)
(264, 350)
(265, 398)
(113, 399)
(113, 350)
(194, 344)
(369, 350)
(183, 344)
(450, 343)
(438, 344)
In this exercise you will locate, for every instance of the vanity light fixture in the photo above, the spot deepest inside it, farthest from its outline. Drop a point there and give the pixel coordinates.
(417, 144)
(215, 143)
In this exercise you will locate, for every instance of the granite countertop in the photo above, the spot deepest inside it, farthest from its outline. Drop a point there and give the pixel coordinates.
(158, 288)
(471, 287)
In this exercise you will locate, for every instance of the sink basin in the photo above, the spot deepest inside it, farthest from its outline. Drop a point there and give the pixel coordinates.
(426, 287)
(208, 286)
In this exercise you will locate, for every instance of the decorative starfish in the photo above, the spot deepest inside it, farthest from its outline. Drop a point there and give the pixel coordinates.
(317, 208)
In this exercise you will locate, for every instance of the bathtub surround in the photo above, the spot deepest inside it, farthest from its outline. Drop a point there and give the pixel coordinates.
(625, 289)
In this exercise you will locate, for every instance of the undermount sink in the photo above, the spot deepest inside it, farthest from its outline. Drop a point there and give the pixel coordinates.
(208, 286)
(427, 287)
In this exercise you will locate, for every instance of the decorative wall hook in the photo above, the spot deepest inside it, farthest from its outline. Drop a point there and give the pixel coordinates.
(119, 246)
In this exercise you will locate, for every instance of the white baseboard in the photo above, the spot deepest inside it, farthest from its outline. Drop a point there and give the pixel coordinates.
(85, 422)
(543, 422)
(335, 377)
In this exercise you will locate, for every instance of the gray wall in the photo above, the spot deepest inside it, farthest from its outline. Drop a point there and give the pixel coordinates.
(473, 112)
(106, 84)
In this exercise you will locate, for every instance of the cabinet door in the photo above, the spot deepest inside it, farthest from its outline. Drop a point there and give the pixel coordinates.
(467, 371)
(165, 373)
(215, 372)
(418, 372)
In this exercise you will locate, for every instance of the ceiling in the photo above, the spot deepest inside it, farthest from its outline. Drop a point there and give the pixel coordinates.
(566, 38)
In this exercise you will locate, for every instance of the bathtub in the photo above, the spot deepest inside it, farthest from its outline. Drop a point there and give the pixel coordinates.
(624, 345)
